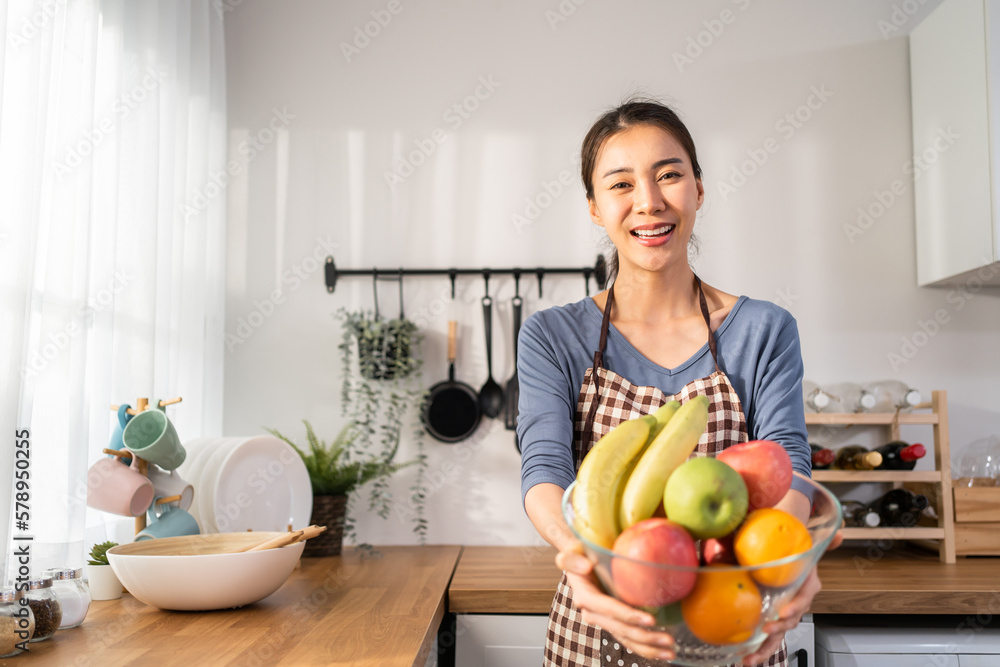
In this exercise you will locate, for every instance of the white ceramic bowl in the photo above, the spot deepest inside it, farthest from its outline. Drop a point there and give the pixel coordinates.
(189, 573)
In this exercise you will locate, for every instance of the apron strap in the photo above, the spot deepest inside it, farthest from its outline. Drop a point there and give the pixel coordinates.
(712, 345)
(588, 425)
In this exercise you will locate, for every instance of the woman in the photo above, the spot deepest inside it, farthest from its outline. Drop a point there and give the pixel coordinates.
(657, 333)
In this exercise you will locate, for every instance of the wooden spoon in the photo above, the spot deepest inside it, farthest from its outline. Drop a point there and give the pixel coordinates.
(276, 542)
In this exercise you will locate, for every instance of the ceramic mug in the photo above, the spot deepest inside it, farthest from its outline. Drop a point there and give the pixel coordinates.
(170, 483)
(151, 436)
(168, 520)
(116, 434)
(118, 489)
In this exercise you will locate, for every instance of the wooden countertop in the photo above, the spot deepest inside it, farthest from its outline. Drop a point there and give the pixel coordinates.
(331, 611)
(522, 580)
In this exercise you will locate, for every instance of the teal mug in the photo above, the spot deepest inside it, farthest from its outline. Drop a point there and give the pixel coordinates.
(151, 436)
(116, 433)
(168, 520)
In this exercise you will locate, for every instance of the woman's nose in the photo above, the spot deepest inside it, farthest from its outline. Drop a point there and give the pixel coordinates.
(647, 198)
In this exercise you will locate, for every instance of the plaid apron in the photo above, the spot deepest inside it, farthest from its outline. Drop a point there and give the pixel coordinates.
(606, 400)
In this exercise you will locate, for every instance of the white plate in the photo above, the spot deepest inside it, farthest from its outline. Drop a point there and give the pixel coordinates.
(193, 470)
(262, 484)
(207, 477)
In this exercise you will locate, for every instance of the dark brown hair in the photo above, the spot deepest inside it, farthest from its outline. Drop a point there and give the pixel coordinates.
(636, 111)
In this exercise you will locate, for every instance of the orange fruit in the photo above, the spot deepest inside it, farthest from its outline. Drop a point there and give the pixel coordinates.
(767, 535)
(724, 606)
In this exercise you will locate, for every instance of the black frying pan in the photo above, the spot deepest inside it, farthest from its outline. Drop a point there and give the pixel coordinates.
(451, 412)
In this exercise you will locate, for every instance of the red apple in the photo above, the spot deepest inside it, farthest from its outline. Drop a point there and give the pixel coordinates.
(718, 550)
(656, 541)
(765, 467)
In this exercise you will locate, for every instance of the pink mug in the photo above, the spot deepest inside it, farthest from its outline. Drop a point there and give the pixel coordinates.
(115, 488)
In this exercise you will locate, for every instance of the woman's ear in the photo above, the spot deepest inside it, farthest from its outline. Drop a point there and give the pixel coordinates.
(595, 213)
(701, 193)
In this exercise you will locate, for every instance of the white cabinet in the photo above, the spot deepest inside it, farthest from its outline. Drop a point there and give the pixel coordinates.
(955, 89)
(487, 640)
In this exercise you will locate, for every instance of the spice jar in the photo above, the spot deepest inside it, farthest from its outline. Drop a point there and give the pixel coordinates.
(73, 593)
(45, 605)
(17, 622)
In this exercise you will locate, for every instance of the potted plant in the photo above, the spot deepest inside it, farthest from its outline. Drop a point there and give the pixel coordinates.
(381, 394)
(103, 581)
(385, 346)
(335, 470)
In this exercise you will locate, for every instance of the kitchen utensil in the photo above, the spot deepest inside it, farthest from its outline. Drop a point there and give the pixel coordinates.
(451, 412)
(151, 436)
(512, 391)
(491, 395)
(118, 489)
(202, 572)
(277, 542)
(633, 577)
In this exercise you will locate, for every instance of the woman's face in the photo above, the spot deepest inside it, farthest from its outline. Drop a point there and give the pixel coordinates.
(646, 197)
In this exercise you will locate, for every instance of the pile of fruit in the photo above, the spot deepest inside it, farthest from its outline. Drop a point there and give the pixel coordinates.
(639, 495)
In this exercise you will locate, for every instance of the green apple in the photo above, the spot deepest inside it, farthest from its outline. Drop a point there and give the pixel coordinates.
(706, 496)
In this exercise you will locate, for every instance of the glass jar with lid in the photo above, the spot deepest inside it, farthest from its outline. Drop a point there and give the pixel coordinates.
(73, 593)
(45, 605)
(17, 622)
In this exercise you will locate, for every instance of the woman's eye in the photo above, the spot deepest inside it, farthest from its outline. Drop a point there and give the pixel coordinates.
(669, 175)
(619, 186)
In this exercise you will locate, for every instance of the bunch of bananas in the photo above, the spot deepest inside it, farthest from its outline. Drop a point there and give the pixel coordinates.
(622, 479)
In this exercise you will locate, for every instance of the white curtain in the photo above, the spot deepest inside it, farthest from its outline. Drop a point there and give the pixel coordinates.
(112, 241)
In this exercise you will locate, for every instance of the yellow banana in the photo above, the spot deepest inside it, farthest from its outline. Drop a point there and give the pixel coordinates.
(662, 416)
(672, 447)
(594, 504)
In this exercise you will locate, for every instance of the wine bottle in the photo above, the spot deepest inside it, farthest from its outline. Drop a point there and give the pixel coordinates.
(860, 514)
(821, 457)
(900, 507)
(898, 455)
(848, 397)
(892, 395)
(856, 457)
(814, 399)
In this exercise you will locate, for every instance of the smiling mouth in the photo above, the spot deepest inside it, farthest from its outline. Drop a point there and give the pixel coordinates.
(656, 232)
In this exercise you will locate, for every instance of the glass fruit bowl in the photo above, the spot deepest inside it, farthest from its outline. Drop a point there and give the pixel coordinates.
(715, 613)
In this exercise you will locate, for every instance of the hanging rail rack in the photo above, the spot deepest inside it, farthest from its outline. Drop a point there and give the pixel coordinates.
(599, 271)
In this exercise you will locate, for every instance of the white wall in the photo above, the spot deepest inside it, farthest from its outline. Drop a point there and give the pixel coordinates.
(780, 236)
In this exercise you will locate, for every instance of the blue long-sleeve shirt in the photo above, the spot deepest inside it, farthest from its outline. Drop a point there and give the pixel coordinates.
(758, 348)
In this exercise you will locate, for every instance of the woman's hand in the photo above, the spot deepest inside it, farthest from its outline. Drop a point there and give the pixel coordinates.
(791, 613)
(629, 625)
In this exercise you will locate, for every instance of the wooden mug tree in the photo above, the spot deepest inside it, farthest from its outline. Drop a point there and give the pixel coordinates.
(142, 404)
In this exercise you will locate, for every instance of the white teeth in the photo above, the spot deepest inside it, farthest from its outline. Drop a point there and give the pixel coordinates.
(653, 232)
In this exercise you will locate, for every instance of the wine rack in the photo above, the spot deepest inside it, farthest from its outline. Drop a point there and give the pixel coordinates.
(933, 413)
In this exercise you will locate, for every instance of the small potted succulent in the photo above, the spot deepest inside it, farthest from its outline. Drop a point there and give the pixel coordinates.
(103, 581)
(335, 470)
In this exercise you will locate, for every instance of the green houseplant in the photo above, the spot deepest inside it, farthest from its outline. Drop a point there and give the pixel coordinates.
(381, 393)
(335, 470)
(103, 581)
